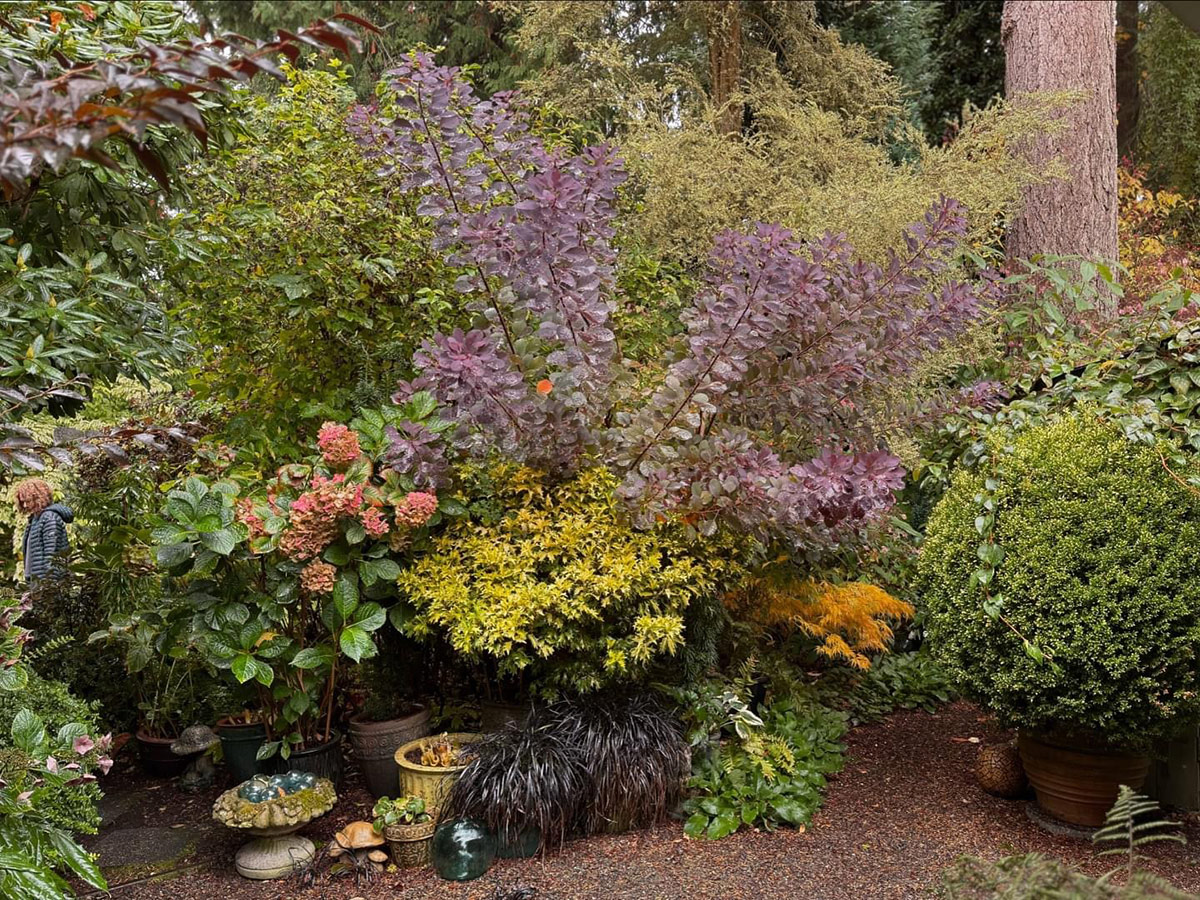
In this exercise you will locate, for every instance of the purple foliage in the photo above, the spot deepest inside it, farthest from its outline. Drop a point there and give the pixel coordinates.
(532, 229)
(416, 451)
(784, 339)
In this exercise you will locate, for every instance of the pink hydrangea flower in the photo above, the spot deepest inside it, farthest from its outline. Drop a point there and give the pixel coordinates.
(416, 508)
(83, 745)
(315, 514)
(338, 445)
(104, 763)
(248, 517)
(51, 764)
(318, 577)
(374, 522)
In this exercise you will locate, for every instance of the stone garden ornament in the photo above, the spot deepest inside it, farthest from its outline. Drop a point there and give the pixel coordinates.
(195, 742)
(270, 809)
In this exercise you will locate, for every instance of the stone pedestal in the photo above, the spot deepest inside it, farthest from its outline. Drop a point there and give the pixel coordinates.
(274, 857)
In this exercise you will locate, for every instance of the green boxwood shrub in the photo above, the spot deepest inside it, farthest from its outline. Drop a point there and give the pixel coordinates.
(1099, 571)
(73, 808)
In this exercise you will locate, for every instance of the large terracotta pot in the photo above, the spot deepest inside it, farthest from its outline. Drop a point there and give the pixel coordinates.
(430, 783)
(375, 745)
(1077, 782)
(156, 757)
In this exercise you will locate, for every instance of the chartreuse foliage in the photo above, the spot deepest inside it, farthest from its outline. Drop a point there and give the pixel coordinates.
(1090, 558)
(813, 159)
(553, 580)
(308, 285)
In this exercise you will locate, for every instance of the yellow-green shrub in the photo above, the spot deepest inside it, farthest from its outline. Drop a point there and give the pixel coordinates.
(556, 582)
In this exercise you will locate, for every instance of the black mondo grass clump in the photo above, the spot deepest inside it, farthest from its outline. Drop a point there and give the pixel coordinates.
(634, 751)
(521, 777)
(602, 764)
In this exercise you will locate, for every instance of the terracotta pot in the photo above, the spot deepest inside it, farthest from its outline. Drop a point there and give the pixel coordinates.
(1077, 782)
(375, 745)
(156, 756)
(324, 760)
(430, 783)
(410, 844)
(496, 716)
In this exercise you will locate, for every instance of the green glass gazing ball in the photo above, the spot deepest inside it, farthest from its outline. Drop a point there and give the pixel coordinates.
(462, 849)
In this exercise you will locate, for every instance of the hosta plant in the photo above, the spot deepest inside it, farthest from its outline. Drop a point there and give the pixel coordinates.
(782, 330)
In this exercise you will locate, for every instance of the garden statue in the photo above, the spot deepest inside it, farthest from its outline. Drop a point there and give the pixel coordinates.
(45, 540)
(270, 809)
(195, 742)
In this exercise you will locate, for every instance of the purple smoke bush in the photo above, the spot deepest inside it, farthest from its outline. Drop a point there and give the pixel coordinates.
(783, 340)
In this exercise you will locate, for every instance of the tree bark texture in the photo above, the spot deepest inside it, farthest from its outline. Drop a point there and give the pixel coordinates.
(1060, 45)
(723, 31)
(1128, 76)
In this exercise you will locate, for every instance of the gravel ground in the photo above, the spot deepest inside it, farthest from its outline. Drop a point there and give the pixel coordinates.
(905, 807)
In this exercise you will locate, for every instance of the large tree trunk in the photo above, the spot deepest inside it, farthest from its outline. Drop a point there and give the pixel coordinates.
(1056, 45)
(1128, 76)
(723, 31)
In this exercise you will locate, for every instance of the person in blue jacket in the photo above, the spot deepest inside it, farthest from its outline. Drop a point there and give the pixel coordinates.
(45, 544)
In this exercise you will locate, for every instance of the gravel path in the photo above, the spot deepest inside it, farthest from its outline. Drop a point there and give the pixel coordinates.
(905, 807)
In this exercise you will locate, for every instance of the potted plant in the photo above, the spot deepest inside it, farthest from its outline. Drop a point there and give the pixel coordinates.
(1063, 594)
(428, 766)
(407, 826)
(165, 673)
(386, 720)
(288, 576)
(242, 734)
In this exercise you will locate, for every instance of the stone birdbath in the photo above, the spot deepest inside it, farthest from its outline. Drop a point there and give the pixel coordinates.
(270, 809)
(195, 742)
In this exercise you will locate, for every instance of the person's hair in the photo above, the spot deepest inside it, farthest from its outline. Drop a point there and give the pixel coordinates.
(33, 496)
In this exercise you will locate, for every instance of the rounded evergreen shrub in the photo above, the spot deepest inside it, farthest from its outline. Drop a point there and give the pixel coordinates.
(1099, 571)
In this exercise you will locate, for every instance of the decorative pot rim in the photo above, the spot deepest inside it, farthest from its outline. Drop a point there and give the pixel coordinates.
(457, 738)
(359, 719)
(418, 831)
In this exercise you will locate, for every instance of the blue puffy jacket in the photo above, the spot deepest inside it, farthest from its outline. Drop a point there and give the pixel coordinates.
(45, 538)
